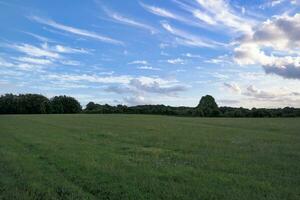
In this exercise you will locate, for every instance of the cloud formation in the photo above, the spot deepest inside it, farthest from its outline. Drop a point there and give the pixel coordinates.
(127, 21)
(217, 14)
(281, 35)
(233, 87)
(76, 31)
(187, 39)
(138, 87)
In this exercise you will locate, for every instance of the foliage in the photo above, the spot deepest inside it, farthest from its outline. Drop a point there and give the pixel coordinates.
(64, 104)
(24, 104)
(207, 107)
(37, 104)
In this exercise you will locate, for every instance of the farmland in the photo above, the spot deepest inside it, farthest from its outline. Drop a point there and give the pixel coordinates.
(119, 156)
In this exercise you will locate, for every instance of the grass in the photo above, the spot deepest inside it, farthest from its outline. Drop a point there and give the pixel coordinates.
(148, 157)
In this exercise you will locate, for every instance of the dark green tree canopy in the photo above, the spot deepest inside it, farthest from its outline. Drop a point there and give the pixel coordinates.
(208, 107)
(65, 104)
(24, 104)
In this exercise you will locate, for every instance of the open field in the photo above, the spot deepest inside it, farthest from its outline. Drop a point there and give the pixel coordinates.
(148, 157)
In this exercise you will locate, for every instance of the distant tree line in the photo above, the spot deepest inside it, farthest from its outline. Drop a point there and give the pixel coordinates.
(207, 107)
(38, 104)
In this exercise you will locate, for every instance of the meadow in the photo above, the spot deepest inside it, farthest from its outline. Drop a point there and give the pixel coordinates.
(94, 156)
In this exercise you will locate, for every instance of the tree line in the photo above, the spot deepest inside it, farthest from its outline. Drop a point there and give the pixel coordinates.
(38, 104)
(207, 107)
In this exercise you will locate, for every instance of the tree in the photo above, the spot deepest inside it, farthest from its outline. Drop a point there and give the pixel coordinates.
(24, 104)
(32, 104)
(90, 106)
(65, 104)
(8, 104)
(208, 107)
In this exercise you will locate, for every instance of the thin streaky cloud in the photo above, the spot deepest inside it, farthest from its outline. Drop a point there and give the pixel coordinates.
(34, 51)
(37, 61)
(217, 14)
(188, 39)
(39, 37)
(149, 68)
(75, 31)
(128, 21)
(222, 14)
(143, 62)
(171, 15)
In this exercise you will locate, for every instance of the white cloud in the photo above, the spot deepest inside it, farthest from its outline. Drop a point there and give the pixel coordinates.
(39, 56)
(219, 76)
(204, 17)
(156, 87)
(65, 49)
(188, 39)
(122, 79)
(219, 12)
(34, 51)
(171, 15)
(137, 86)
(4, 63)
(39, 37)
(70, 62)
(131, 22)
(36, 61)
(175, 61)
(189, 55)
(252, 91)
(23, 63)
(89, 78)
(280, 34)
(76, 31)
(136, 100)
(28, 67)
(138, 62)
(233, 87)
(272, 3)
(224, 59)
(148, 68)
(161, 12)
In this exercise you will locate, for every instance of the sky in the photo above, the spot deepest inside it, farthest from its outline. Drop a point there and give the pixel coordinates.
(172, 52)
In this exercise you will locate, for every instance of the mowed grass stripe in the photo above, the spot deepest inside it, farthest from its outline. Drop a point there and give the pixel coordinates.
(148, 157)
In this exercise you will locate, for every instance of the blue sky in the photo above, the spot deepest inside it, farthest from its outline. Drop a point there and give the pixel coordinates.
(244, 53)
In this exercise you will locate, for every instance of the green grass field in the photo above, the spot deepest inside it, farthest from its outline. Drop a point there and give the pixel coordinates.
(148, 157)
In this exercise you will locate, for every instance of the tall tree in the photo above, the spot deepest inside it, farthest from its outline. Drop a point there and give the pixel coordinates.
(65, 104)
(208, 107)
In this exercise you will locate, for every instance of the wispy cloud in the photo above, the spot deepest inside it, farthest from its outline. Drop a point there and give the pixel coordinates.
(137, 87)
(217, 14)
(39, 37)
(233, 87)
(128, 21)
(185, 38)
(149, 68)
(36, 61)
(189, 55)
(34, 50)
(137, 62)
(65, 49)
(168, 14)
(38, 57)
(175, 61)
(75, 31)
